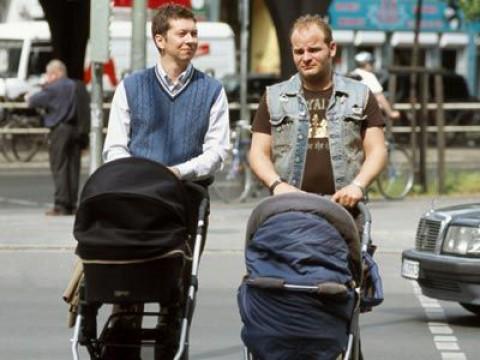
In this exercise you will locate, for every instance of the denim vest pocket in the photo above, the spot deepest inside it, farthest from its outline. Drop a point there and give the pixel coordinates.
(283, 130)
(352, 141)
(352, 127)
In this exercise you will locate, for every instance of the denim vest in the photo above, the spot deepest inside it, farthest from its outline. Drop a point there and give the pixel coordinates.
(169, 130)
(290, 120)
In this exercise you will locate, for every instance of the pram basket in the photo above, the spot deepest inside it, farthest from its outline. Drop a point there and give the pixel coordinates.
(140, 232)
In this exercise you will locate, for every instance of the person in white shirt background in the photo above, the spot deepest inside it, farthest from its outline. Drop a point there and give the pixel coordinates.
(364, 72)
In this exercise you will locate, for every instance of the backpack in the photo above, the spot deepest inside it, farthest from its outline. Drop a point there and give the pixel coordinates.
(81, 120)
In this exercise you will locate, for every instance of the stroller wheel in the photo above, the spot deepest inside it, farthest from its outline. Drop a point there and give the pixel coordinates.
(167, 343)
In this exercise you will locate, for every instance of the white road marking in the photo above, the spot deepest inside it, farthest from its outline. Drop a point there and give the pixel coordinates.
(453, 356)
(447, 345)
(435, 330)
(23, 202)
(443, 337)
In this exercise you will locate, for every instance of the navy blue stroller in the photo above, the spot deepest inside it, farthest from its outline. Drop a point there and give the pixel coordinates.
(301, 296)
(140, 232)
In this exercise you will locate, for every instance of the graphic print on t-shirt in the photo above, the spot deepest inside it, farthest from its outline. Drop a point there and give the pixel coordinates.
(318, 124)
(318, 177)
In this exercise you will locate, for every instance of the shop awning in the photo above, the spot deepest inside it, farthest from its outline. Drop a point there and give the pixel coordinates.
(370, 38)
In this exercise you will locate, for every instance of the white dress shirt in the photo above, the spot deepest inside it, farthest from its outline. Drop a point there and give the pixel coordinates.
(215, 144)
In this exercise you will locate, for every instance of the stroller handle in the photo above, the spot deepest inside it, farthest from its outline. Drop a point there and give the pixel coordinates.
(367, 225)
(198, 188)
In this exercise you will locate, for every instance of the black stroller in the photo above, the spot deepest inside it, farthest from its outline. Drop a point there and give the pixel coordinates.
(140, 236)
(301, 297)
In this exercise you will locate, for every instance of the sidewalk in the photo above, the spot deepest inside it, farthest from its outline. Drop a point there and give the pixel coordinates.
(393, 229)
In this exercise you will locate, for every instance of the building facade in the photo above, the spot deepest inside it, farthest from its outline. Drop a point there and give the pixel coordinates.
(386, 28)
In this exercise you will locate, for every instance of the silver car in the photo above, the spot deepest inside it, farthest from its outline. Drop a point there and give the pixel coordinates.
(446, 258)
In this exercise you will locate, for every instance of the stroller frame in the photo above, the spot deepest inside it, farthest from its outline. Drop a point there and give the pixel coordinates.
(85, 333)
(352, 351)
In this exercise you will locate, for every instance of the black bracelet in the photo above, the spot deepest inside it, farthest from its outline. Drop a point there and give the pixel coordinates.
(273, 185)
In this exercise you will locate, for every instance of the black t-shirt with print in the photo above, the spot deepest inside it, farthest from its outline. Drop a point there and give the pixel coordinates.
(318, 176)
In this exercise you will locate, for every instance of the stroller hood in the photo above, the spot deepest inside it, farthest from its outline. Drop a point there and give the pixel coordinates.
(276, 218)
(130, 209)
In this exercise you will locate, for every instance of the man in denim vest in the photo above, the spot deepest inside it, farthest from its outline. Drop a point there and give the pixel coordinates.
(318, 132)
(173, 114)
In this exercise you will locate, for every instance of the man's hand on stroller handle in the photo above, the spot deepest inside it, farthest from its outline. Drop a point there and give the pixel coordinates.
(175, 171)
(283, 188)
(348, 196)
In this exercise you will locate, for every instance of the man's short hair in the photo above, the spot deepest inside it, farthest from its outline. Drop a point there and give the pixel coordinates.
(308, 20)
(167, 12)
(57, 66)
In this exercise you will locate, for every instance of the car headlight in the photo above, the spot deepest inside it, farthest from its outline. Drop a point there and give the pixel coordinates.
(462, 240)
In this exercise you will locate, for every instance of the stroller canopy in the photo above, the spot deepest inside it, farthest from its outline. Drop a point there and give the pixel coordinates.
(131, 209)
(304, 204)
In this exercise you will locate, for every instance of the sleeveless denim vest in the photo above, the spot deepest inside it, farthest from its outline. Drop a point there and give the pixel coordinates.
(290, 120)
(169, 130)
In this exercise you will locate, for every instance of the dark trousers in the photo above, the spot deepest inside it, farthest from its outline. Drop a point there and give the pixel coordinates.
(64, 153)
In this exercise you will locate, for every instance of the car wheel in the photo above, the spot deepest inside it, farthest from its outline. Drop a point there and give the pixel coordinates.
(472, 308)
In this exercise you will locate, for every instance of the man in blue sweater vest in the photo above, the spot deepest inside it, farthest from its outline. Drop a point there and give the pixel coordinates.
(174, 114)
(171, 113)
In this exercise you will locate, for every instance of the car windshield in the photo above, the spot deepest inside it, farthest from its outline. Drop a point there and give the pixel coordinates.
(40, 55)
(10, 51)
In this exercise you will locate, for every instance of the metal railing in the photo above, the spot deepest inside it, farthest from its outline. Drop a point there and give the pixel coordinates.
(235, 106)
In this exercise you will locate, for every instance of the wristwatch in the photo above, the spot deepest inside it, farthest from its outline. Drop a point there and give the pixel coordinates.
(274, 184)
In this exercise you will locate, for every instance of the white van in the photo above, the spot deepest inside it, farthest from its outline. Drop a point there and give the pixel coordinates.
(25, 49)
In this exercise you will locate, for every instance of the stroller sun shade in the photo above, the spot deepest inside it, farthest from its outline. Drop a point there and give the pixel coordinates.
(130, 209)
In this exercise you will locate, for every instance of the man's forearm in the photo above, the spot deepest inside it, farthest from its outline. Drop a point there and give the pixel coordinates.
(384, 104)
(262, 166)
(373, 165)
(39, 99)
(200, 167)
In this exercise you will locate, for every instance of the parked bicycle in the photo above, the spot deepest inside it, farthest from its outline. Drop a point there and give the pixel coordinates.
(235, 182)
(397, 179)
(23, 146)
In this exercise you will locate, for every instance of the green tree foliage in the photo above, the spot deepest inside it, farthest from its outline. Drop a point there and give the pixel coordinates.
(471, 9)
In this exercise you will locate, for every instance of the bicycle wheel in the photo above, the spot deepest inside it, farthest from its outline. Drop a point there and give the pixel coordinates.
(5, 146)
(234, 182)
(25, 146)
(396, 180)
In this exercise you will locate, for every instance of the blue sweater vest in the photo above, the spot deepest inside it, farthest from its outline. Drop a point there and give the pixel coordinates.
(169, 130)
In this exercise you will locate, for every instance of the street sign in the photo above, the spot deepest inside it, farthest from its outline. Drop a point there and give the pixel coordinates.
(99, 31)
